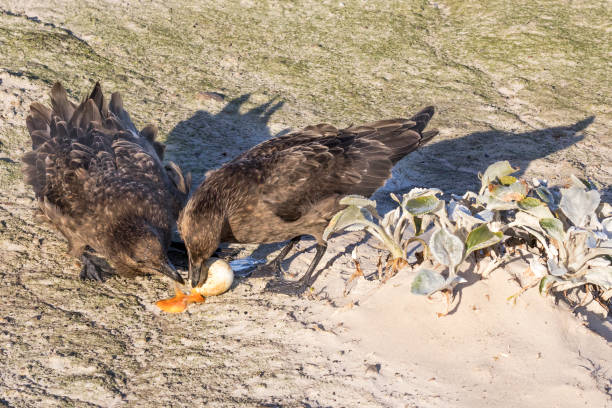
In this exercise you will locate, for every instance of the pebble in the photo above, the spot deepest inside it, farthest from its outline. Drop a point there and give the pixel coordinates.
(372, 370)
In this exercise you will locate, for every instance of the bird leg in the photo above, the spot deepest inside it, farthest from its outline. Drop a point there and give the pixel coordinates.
(296, 287)
(274, 267)
(94, 267)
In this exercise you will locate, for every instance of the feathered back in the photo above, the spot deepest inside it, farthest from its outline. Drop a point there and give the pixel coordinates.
(81, 151)
(293, 172)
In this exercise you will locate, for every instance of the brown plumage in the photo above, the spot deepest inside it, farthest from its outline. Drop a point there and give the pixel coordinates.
(290, 186)
(102, 184)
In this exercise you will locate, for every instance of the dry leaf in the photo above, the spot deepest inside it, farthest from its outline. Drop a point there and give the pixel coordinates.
(358, 272)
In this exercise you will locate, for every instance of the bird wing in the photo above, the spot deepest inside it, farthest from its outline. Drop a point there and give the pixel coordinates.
(280, 143)
(86, 154)
(305, 167)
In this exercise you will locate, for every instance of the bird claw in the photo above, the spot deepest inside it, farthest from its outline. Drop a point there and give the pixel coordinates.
(94, 268)
(290, 288)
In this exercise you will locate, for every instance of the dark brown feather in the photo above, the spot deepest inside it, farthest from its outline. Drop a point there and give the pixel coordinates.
(99, 182)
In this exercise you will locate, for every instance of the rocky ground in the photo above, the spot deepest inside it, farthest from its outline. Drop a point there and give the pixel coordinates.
(525, 81)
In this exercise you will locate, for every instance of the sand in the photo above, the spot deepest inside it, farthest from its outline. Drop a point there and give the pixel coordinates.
(524, 82)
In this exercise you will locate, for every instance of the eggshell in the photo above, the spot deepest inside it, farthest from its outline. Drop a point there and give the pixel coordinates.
(220, 278)
(180, 301)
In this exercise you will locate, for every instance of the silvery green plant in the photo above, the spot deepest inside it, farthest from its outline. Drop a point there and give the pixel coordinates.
(360, 213)
(577, 243)
(566, 223)
(454, 239)
(450, 244)
(571, 225)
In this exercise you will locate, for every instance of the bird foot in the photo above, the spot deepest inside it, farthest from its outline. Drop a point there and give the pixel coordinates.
(95, 268)
(270, 269)
(285, 287)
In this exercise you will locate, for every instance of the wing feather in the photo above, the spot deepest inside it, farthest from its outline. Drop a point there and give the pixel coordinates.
(82, 152)
(302, 168)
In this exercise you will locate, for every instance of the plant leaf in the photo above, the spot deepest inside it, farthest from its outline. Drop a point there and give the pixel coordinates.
(545, 195)
(578, 204)
(554, 269)
(600, 276)
(419, 192)
(553, 282)
(462, 217)
(391, 218)
(421, 205)
(547, 282)
(535, 207)
(446, 248)
(481, 237)
(605, 210)
(496, 170)
(349, 216)
(528, 203)
(507, 180)
(494, 204)
(427, 282)
(569, 284)
(513, 192)
(455, 209)
(358, 201)
(485, 215)
(606, 226)
(525, 219)
(354, 227)
(395, 198)
(418, 225)
(554, 228)
(580, 182)
(425, 222)
(454, 281)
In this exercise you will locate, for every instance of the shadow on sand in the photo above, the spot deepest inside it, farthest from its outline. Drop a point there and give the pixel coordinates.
(453, 164)
(206, 140)
(485, 148)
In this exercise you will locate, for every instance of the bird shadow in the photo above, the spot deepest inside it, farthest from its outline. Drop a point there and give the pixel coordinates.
(206, 140)
(453, 164)
(488, 147)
